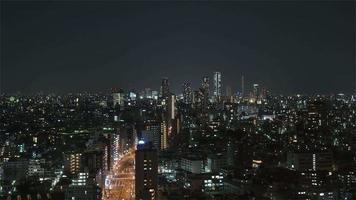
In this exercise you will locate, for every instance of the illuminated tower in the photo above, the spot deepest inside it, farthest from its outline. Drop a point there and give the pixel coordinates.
(164, 135)
(205, 92)
(146, 169)
(72, 163)
(118, 98)
(217, 85)
(171, 106)
(256, 92)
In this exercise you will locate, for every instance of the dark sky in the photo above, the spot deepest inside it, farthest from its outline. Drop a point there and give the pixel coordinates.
(288, 47)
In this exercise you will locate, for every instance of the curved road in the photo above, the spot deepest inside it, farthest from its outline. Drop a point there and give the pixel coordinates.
(120, 182)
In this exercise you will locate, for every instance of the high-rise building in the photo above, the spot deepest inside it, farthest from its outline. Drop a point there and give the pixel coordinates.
(171, 107)
(115, 145)
(72, 163)
(205, 92)
(165, 88)
(156, 133)
(118, 98)
(206, 85)
(187, 93)
(256, 91)
(217, 85)
(146, 168)
(164, 135)
(152, 134)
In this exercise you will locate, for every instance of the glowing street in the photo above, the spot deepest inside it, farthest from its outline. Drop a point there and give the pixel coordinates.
(120, 182)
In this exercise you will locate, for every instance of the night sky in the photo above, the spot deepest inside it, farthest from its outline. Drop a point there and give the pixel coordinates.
(70, 46)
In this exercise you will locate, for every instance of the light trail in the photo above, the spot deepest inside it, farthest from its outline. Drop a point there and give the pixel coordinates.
(120, 182)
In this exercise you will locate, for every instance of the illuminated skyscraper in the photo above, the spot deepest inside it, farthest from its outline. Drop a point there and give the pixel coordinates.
(256, 91)
(205, 92)
(171, 106)
(164, 135)
(72, 163)
(146, 168)
(217, 85)
(118, 98)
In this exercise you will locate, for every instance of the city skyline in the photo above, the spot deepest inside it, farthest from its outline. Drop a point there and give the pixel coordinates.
(173, 100)
(72, 46)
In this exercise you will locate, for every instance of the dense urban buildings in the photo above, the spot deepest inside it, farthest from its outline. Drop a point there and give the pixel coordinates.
(177, 100)
(193, 145)
(146, 166)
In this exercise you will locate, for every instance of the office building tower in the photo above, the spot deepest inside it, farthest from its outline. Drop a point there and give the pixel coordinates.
(193, 164)
(156, 133)
(206, 85)
(171, 107)
(152, 134)
(256, 91)
(115, 145)
(205, 92)
(164, 135)
(187, 93)
(118, 98)
(146, 168)
(72, 162)
(165, 88)
(217, 85)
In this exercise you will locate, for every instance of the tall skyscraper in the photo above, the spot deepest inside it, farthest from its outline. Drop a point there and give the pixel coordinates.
(118, 98)
(206, 85)
(146, 167)
(217, 85)
(256, 91)
(165, 87)
(171, 106)
(164, 135)
(187, 93)
(205, 93)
